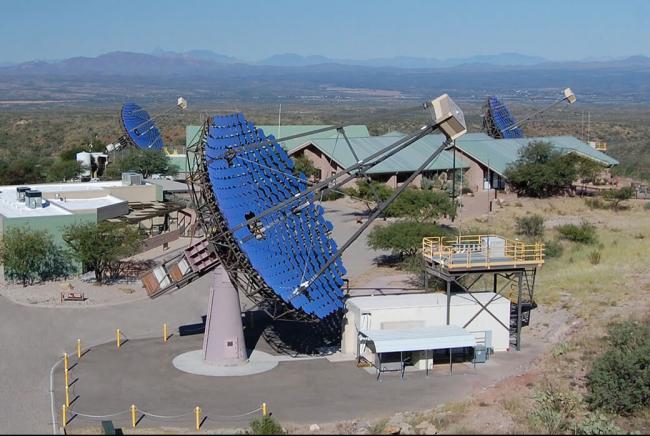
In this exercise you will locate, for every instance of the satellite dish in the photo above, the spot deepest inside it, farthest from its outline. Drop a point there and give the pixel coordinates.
(139, 128)
(181, 103)
(498, 121)
(269, 260)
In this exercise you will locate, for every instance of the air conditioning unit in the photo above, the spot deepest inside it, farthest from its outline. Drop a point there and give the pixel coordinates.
(20, 193)
(131, 179)
(33, 199)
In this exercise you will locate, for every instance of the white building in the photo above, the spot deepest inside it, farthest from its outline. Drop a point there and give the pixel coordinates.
(408, 314)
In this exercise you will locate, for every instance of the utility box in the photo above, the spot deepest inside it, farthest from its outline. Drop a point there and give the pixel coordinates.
(480, 354)
(131, 179)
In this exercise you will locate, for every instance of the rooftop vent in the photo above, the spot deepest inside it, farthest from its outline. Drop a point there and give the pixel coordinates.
(33, 199)
(20, 193)
(130, 179)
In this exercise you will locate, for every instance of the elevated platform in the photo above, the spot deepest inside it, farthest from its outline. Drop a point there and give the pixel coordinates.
(479, 253)
(465, 262)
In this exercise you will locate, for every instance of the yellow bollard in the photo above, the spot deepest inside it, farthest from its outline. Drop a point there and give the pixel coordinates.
(64, 415)
(78, 348)
(65, 361)
(67, 396)
(117, 337)
(197, 412)
(133, 415)
(66, 377)
(165, 332)
(264, 409)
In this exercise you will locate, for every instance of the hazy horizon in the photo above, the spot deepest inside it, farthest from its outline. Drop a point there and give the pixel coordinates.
(554, 30)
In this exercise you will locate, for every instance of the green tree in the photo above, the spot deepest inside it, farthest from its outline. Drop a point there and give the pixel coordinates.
(541, 171)
(418, 204)
(303, 165)
(30, 255)
(62, 170)
(100, 246)
(19, 171)
(588, 169)
(146, 162)
(403, 238)
(372, 190)
(71, 153)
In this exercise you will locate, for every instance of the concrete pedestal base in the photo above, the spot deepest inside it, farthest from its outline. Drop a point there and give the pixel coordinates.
(192, 362)
(223, 341)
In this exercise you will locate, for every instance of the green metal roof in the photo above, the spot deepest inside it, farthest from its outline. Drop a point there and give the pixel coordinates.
(355, 131)
(407, 160)
(497, 154)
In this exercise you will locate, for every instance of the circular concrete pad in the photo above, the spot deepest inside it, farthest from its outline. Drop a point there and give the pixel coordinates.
(193, 363)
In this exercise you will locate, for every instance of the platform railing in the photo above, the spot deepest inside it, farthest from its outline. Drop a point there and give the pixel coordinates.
(474, 251)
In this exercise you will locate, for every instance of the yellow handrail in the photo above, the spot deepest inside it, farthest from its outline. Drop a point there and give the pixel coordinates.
(476, 250)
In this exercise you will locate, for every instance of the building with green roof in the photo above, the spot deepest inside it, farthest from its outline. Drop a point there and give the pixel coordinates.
(333, 154)
(482, 159)
(490, 157)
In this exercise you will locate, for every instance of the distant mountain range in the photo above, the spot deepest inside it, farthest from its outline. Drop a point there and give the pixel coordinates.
(291, 59)
(202, 61)
(207, 75)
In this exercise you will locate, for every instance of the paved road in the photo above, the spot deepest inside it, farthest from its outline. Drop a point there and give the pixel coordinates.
(33, 338)
(297, 392)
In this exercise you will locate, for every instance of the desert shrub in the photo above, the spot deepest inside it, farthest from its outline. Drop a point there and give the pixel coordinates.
(594, 257)
(619, 381)
(329, 195)
(466, 190)
(531, 226)
(553, 248)
(30, 255)
(616, 197)
(585, 233)
(597, 423)
(647, 206)
(555, 410)
(266, 425)
(595, 203)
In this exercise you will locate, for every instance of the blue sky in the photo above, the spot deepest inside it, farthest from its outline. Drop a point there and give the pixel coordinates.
(254, 29)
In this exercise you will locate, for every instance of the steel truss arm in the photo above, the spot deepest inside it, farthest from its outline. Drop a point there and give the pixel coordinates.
(371, 218)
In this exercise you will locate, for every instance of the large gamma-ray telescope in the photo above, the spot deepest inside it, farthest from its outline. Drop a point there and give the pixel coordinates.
(267, 229)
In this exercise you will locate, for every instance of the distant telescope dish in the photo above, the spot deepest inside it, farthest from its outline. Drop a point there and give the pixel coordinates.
(271, 259)
(498, 121)
(139, 128)
(182, 103)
